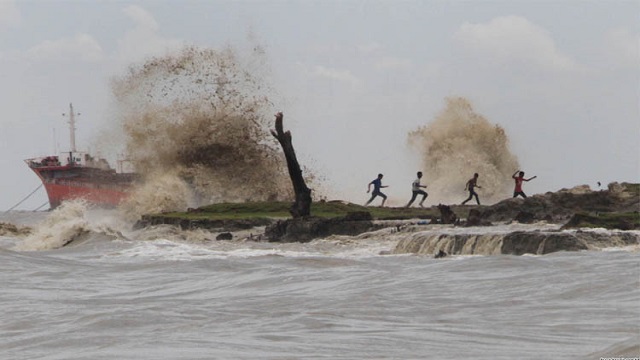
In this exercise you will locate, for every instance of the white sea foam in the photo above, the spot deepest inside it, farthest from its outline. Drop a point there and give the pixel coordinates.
(237, 291)
(167, 250)
(59, 228)
(630, 248)
(68, 222)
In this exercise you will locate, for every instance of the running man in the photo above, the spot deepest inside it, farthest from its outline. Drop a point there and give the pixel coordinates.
(471, 185)
(519, 179)
(377, 185)
(415, 189)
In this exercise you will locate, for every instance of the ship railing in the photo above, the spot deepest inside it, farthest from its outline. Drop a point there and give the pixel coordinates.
(44, 161)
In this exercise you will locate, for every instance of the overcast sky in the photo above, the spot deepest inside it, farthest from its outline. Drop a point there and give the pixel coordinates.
(354, 77)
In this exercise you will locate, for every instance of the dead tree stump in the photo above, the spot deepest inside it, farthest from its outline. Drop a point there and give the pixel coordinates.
(302, 205)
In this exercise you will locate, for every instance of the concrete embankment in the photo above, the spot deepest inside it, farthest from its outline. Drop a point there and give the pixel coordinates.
(513, 243)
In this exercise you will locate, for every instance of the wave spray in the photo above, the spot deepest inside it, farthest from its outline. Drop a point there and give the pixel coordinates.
(200, 118)
(458, 143)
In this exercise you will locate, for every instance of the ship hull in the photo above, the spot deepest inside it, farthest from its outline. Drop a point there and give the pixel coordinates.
(102, 197)
(100, 187)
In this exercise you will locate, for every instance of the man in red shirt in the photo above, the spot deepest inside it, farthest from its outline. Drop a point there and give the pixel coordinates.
(519, 179)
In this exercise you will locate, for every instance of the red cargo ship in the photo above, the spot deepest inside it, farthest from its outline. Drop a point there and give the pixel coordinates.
(78, 175)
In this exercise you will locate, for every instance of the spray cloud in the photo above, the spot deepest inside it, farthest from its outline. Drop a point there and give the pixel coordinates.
(458, 143)
(201, 117)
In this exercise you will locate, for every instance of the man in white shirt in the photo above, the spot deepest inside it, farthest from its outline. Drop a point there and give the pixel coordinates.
(416, 190)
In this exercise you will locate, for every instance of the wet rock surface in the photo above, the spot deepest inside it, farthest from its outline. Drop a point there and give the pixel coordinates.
(579, 207)
(560, 206)
(225, 236)
(222, 225)
(514, 243)
(309, 228)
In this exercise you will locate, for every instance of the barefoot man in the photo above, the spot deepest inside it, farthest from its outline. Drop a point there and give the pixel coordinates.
(519, 179)
(416, 190)
(377, 185)
(471, 185)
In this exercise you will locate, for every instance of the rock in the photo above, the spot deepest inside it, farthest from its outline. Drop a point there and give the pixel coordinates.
(524, 217)
(309, 228)
(561, 205)
(447, 216)
(615, 187)
(475, 219)
(514, 243)
(561, 242)
(358, 216)
(209, 224)
(578, 190)
(225, 236)
(440, 254)
(520, 242)
(621, 221)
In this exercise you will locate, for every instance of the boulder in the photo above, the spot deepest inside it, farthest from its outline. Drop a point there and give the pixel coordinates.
(225, 236)
(447, 216)
(621, 221)
(561, 205)
(309, 228)
(475, 219)
(525, 217)
(440, 254)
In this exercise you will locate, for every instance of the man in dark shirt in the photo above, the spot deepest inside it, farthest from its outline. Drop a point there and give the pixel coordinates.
(377, 185)
(471, 185)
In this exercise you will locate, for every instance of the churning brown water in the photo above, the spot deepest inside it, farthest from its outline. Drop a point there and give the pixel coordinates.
(162, 293)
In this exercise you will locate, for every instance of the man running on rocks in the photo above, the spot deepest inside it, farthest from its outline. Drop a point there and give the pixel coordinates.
(377, 185)
(471, 185)
(416, 190)
(519, 179)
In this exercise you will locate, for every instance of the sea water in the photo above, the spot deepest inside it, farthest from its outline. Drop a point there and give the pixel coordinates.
(163, 293)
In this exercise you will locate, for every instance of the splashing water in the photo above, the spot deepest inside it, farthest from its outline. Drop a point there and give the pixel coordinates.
(59, 228)
(201, 116)
(161, 192)
(457, 144)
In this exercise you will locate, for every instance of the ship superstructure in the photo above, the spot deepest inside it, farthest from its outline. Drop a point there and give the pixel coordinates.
(78, 175)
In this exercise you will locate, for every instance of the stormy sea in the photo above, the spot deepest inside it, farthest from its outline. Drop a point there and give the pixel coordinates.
(78, 283)
(83, 283)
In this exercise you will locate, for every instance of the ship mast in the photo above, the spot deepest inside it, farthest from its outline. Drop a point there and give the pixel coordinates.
(72, 127)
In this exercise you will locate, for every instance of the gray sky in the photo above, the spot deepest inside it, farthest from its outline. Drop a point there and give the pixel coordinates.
(354, 77)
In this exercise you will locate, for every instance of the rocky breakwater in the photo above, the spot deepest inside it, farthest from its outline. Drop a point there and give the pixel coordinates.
(218, 225)
(512, 243)
(309, 228)
(619, 200)
(574, 211)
